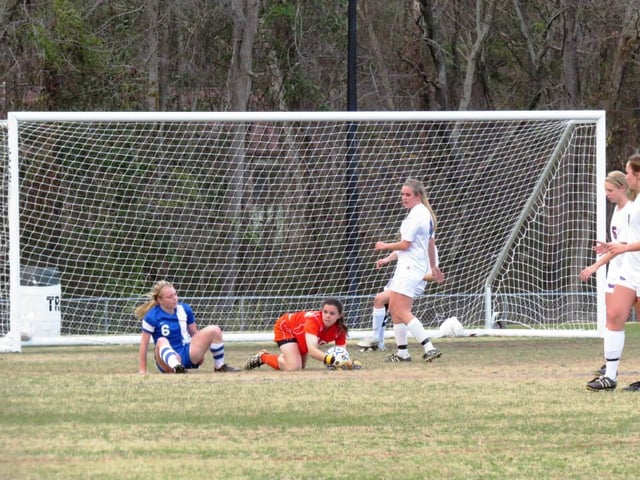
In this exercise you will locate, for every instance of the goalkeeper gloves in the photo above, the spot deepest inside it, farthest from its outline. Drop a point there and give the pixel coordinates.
(330, 359)
(332, 362)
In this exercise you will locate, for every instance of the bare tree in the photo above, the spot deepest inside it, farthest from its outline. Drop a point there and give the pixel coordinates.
(245, 27)
(153, 65)
(432, 36)
(378, 57)
(485, 11)
(627, 47)
(245, 16)
(570, 64)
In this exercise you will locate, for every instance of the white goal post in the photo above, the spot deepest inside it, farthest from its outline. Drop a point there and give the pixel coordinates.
(254, 214)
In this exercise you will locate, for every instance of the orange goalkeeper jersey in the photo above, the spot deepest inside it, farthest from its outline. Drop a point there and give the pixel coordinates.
(296, 325)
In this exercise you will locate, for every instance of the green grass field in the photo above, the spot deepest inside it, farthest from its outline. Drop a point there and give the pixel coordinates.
(490, 408)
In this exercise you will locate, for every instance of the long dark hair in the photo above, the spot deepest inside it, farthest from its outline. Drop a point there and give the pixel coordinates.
(341, 322)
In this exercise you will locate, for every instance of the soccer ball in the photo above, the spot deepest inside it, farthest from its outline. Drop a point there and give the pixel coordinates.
(452, 327)
(339, 352)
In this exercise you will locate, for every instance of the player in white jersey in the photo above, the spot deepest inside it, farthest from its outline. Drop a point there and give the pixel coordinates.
(617, 192)
(626, 290)
(375, 341)
(179, 345)
(416, 255)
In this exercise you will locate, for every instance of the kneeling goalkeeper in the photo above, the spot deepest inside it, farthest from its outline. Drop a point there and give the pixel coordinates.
(299, 335)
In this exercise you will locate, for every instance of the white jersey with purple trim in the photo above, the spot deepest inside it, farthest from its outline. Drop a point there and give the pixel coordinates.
(631, 266)
(418, 229)
(619, 231)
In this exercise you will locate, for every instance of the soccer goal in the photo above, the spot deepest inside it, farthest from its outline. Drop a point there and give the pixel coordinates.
(255, 214)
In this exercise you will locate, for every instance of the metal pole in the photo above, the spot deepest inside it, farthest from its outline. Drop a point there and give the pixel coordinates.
(352, 232)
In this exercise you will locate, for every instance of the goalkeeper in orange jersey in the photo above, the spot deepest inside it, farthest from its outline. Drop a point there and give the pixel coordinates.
(299, 336)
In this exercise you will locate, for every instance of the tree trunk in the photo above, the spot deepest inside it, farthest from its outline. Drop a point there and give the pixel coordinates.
(570, 67)
(386, 93)
(245, 20)
(153, 68)
(245, 27)
(484, 17)
(438, 96)
(628, 43)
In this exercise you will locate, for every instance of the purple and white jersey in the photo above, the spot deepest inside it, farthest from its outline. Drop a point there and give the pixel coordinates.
(418, 229)
(619, 231)
(630, 271)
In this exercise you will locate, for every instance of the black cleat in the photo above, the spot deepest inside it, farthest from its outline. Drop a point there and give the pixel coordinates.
(179, 369)
(634, 387)
(394, 358)
(432, 355)
(254, 361)
(226, 368)
(601, 383)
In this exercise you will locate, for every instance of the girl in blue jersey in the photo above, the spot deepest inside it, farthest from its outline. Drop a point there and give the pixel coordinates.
(179, 345)
(416, 255)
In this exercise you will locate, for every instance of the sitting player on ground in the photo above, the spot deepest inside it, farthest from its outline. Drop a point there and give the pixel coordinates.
(299, 336)
(179, 343)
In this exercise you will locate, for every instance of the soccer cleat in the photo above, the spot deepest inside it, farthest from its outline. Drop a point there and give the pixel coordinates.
(601, 383)
(179, 369)
(431, 355)
(254, 361)
(601, 371)
(226, 368)
(394, 358)
(368, 344)
(377, 348)
(634, 387)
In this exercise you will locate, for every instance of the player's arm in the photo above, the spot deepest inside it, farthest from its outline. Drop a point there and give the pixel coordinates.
(591, 269)
(192, 329)
(619, 248)
(312, 346)
(435, 272)
(394, 246)
(392, 257)
(142, 352)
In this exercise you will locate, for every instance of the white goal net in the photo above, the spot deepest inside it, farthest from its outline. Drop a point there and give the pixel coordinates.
(252, 215)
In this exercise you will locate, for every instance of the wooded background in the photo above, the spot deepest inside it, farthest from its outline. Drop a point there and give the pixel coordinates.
(291, 55)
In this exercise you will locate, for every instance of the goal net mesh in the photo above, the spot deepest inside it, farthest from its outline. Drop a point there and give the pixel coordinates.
(249, 219)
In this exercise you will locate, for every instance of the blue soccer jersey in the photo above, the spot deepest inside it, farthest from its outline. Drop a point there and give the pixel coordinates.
(172, 326)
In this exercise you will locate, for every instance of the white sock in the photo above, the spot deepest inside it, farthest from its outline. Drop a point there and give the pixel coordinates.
(400, 332)
(418, 331)
(217, 351)
(613, 346)
(169, 356)
(377, 320)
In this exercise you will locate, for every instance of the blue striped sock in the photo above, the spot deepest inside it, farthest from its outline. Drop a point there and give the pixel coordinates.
(169, 356)
(217, 351)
